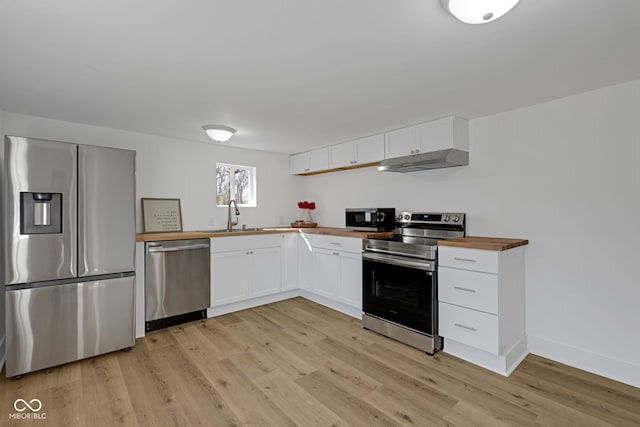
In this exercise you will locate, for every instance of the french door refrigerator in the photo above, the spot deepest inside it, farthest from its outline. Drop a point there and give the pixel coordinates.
(69, 235)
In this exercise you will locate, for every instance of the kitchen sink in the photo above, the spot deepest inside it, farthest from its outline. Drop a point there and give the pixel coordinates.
(234, 230)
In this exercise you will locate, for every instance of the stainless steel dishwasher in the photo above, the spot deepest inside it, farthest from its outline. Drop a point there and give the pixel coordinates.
(177, 280)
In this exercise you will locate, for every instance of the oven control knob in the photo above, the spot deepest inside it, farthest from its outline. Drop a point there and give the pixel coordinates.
(407, 217)
(446, 218)
(456, 218)
(399, 217)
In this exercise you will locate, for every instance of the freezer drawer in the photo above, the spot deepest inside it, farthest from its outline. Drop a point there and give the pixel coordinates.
(52, 325)
(177, 277)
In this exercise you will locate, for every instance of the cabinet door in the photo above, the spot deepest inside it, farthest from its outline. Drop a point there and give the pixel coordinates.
(326, 273)
(469, 289)
(370, 149)
(229, 277)
(289, 260)
(305, 261)
(350, 290)
(265, 271)
(449, 132)
(401, 142)
(342, 155)
(318, 160)
(469, 259)
(471, 327)
(299, 163)
(436, 135)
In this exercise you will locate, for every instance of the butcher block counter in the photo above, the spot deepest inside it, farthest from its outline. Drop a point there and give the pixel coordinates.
(486, 243)
(332, 231)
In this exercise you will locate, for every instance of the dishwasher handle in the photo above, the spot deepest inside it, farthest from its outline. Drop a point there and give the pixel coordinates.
(154, 249)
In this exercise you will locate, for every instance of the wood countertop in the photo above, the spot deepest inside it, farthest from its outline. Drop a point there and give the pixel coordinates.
(332, 231)
(488, 243)
(345, 232)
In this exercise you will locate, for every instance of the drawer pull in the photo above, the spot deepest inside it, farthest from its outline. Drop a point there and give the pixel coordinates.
(335, 243)
(473, 291)
(465, 259)
(469, 328)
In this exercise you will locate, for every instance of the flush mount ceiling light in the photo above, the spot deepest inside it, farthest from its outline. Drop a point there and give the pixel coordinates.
(478, 11)
(219, 133)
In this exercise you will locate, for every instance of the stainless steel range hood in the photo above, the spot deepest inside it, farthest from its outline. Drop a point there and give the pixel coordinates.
(431, 160)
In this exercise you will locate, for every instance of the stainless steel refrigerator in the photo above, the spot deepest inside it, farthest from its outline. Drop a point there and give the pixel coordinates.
(69, 236)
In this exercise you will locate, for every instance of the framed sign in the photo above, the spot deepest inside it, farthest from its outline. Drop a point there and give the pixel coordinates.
(161, 215)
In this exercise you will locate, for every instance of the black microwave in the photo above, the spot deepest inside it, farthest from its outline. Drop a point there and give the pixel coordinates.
(370, 219)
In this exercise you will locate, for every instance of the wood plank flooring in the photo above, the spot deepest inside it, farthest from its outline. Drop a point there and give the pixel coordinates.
(298, 363)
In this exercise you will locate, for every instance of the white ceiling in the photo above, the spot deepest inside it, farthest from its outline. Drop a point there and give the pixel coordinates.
(291, 75)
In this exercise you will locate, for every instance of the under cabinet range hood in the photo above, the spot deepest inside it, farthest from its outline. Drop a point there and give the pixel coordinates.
(431, 160)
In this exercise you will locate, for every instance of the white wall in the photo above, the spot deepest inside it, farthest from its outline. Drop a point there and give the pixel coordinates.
(171, 168)
(563, 174)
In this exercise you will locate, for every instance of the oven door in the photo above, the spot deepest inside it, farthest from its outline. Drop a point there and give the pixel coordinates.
(401, 290)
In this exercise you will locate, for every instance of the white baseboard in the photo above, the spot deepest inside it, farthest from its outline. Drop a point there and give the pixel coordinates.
(254, 302)
(503, 364)
(618, 370)
(333, 304)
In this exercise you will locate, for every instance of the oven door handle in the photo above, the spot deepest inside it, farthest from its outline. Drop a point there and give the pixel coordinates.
(385, 258)
(368, 249)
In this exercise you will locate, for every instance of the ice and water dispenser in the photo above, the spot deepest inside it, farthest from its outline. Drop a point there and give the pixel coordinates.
(41, 213)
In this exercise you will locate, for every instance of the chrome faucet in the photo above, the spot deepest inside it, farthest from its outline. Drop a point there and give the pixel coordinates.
(230, 223)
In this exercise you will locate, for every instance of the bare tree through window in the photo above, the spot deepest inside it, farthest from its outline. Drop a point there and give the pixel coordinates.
(235, 182)
(222, 184)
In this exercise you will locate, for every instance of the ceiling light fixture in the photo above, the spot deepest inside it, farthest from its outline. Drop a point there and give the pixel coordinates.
(219, 133)
(478, 11)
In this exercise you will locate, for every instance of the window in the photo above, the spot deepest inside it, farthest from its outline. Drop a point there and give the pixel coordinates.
(235, 182)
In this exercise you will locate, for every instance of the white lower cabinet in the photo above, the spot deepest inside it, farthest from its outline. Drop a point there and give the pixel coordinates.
(482, 307)
(472, 327)
(264, 269)
(251, 270)
(289, 258)
(326, 273)
(229, 277)
(244, 267)
(350, 291)
(305, 260)
(337, 272)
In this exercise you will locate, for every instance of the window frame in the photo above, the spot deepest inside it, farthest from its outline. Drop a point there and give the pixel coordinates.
(253, 194)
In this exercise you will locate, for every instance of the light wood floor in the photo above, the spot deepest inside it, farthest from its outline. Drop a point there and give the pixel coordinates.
(298, 363)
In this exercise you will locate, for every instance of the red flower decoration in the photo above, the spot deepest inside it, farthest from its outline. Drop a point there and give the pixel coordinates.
(307, 205)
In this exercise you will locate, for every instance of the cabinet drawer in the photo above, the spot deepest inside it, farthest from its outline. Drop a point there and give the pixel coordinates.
(468, 289)
(337, 243)
(468, 259)
(467, 326)
(239, 243)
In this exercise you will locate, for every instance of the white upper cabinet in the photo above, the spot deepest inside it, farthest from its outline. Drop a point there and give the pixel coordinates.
(309, 161)
(450, 132)
(442, 134)
(401, 142)
(362, 151)
(436, 135)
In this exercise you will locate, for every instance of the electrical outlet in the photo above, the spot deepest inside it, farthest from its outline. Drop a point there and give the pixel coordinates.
(280, 220)
(212, 220)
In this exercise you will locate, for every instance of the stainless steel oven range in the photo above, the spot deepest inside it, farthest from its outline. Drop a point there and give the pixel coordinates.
(400, 288)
